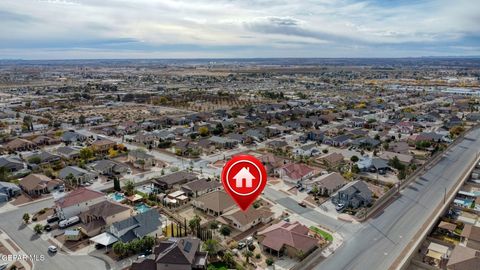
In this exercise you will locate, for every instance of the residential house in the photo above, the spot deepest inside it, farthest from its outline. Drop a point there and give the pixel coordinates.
(69, 152)
(272, 162)
(307, 150)
(174, 254)
(405, 127)
(138, 226)
(331, 159)
(285, 238)
(338, 141)
(199, 187)
(73, 137)
(128, 127)
(11, 163)
(399, 147)
(19, 144)
(8, 190)
(316, 135)
(140, 159)
(326, 184)
(471, 236)
(80, 176)
(101, 215)
(294, 172)
(78, 201)
(223, 142)
(102, 145)
(243, 221)
(38, 184)
(277, 145)
(368, 164)
(177, 178)
(109, 167)
(463, 258)
(355, 194)
(42, 157)
(214, 203)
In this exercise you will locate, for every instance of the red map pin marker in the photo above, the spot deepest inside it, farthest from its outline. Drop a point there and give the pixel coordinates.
(244, 177)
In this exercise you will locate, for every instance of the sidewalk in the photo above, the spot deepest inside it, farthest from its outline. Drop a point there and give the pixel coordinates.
(8, 243)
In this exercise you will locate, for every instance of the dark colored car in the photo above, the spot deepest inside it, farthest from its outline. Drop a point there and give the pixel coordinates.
(52, 219)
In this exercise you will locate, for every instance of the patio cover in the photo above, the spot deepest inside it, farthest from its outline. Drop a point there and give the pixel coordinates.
(104, 239)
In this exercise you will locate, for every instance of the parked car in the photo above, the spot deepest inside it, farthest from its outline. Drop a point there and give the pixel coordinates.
(302, 204)
(51, 219)
(241, 245)
(339, 207)
(52, 249)
(47, 228)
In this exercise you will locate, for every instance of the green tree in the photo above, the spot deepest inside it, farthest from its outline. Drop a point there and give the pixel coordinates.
(211, 246)
(269, 261)
(34, 160)
(70, 180)
(129, 187)
(81, 119)
(225, 230)
(354, 159)
(203, 131)
(86, 153)
(119, 248)
(38, 228)
(4, 174)
(116, 184)
(247, 254)
(26, 217)
(194, 223)
(228, 259)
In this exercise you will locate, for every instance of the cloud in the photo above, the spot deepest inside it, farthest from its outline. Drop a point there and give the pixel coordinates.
(237, 28)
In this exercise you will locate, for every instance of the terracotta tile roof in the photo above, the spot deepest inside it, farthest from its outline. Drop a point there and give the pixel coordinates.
(291, 234)
(78, 196)
(471, 232)
(247, 217)
(296, 170)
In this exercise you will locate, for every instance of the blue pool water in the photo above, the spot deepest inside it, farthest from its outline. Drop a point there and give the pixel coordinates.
(118, 197)
(142, 208)
(465, 202)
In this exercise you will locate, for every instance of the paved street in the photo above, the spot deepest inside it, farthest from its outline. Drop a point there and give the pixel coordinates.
(11, 223)
(379, 241)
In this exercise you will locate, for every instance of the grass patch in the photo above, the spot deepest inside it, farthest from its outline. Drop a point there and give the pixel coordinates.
(323, 233)
(217, 266)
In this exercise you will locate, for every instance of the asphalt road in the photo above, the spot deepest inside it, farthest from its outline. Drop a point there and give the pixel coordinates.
(12, 224)
(382, 239)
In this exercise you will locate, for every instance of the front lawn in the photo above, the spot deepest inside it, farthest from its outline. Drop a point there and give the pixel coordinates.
(323, 233)
(217, 266)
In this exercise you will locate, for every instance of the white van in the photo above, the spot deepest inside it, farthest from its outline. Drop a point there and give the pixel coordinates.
(68, 222)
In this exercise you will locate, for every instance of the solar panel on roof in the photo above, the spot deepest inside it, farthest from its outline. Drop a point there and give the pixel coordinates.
(187, 247)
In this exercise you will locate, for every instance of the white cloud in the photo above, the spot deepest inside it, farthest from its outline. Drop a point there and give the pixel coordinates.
(142, 26)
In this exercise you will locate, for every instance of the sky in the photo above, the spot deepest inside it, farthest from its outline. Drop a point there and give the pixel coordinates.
(88, 29)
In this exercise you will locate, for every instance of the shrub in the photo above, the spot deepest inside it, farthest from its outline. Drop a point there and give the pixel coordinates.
(269, 261)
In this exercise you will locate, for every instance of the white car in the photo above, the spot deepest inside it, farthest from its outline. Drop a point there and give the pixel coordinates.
(52, 249)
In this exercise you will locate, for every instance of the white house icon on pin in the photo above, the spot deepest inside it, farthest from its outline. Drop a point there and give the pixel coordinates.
(244, 173)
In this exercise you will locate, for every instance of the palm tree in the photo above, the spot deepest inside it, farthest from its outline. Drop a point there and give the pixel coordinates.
(26, 217)
(129, 187)
(38, 228)
(194, 223)
(211, 246)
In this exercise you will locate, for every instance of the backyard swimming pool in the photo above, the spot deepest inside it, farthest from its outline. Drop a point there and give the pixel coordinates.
(118, 197)
(142, 208)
